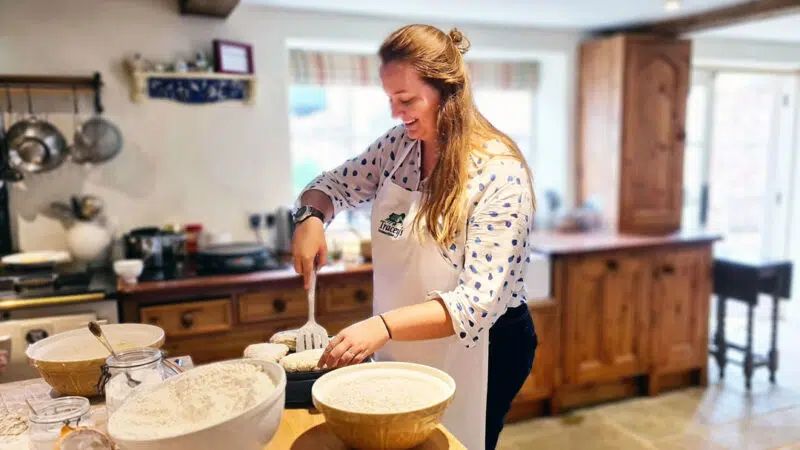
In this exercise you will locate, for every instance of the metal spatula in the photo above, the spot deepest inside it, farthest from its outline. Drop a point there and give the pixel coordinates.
(311, 335)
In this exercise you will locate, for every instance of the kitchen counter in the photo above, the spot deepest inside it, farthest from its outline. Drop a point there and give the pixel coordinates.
(557, 243)
(300, 429)
(241, 280)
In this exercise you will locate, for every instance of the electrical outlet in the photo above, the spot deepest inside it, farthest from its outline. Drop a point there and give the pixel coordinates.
(269, 220)
(255, 221)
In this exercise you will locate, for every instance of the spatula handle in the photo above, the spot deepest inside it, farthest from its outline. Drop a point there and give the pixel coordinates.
(312, 289)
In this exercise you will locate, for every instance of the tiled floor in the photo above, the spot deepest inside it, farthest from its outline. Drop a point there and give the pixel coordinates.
(722, 416)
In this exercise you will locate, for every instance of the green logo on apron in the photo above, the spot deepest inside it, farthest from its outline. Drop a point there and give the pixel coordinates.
(392, 226)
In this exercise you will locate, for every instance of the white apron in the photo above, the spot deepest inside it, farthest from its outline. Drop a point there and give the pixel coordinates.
(405, 270)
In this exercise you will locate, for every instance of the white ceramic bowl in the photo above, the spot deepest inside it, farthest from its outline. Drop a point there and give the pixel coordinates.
(250, 430)
(129, 269)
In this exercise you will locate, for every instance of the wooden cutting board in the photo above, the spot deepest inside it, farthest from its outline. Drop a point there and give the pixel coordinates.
(303, 429)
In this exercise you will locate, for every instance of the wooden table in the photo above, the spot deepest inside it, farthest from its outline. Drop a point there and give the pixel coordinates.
(303, 429)
(300, 429)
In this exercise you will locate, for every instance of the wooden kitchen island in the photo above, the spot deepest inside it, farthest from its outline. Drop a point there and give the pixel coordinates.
(628, 316)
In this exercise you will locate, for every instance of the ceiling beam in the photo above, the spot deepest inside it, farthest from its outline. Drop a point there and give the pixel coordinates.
(208, 8)
(714, 18)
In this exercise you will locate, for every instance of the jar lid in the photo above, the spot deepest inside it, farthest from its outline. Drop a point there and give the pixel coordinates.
(134, 358)
(60, 410)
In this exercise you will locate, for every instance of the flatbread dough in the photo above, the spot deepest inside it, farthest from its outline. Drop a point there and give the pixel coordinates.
(266, 351)
(303, 361)
(287, 338)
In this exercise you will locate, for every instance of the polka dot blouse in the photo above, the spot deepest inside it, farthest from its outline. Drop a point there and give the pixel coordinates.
(493, 255)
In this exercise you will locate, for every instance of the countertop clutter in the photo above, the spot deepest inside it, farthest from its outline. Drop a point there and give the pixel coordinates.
(300, 429)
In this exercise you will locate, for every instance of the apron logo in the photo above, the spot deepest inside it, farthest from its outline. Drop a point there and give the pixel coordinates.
(392, 226)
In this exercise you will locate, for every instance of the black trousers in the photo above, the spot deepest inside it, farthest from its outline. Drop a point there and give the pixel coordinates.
(512, 345)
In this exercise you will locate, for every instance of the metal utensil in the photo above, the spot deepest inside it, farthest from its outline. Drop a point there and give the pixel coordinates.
(311, 335)
(33, 410)
(94, 327)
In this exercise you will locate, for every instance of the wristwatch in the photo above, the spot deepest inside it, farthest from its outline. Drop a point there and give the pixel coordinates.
(304, 212)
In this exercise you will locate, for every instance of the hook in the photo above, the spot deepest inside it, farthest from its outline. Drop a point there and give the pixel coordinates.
(30, 103)
(97, 83)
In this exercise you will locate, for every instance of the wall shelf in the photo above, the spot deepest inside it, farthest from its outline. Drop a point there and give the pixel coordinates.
(55, 83)
(193, 87)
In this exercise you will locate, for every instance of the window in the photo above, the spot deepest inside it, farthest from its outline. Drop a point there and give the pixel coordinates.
(738, 141)
(338, 108)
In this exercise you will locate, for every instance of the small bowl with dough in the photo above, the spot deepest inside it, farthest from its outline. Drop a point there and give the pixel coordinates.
(384, 405)
(266, 351)
(71, 362)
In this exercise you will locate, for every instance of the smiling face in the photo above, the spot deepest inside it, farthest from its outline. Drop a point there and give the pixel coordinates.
(412, 100)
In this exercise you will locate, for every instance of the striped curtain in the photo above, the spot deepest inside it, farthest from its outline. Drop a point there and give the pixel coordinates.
(329, 68)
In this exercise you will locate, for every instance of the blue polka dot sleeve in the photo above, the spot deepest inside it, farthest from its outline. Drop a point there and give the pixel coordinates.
(495, 251)
(357, 180)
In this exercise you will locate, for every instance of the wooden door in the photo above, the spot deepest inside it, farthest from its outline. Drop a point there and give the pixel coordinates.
(680, 303)
(656, 89)
(606, 318)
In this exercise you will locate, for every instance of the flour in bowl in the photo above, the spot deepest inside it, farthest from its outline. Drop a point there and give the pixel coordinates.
(385, 391)
(198, 399)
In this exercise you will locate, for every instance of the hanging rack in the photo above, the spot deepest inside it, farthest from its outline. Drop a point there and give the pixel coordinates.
(57, 83)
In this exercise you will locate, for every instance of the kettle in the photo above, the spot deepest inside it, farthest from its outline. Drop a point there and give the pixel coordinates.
(284, 230)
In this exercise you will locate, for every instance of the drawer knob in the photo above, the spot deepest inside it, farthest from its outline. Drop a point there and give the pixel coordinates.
(668, 268)
(279, 305)
(152, 320)
(361, 296)
(612, 264)
(187, 320)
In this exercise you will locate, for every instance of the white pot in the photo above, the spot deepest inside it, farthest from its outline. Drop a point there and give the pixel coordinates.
(88, 241)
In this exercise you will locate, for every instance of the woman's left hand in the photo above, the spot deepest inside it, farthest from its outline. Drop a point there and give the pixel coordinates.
(355, 343)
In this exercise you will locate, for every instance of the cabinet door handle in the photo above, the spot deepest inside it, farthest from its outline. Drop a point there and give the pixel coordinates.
(279, 305)
(360, 296)
(187, 319)
(612, 264)
(669, 268)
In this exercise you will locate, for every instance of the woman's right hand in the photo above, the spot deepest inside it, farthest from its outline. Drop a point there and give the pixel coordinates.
(308, 247)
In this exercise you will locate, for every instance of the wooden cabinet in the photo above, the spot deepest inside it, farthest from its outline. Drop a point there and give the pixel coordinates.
(606, 311)
(541, 382)
(629, 313)
(680, 308)
(190, 318)
(631, 125)
(633, 320)
(271, 304)
(215, 318)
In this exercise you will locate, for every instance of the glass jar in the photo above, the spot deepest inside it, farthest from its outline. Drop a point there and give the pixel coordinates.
(130, 372)
(45, 426)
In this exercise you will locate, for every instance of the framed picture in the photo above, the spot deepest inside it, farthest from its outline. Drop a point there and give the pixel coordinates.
(233, 57)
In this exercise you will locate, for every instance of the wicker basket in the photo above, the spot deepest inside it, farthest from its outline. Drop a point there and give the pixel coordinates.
(80, 376)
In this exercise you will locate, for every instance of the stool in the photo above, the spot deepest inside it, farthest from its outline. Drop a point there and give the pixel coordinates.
(743, 279)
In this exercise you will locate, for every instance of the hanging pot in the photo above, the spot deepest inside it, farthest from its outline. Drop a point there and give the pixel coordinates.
(35, 145)
(6, 173)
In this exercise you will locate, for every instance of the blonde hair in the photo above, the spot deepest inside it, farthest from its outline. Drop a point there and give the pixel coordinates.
(462, 129)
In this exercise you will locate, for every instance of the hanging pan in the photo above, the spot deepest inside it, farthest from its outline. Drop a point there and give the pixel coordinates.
(35, 145)
(96, 141)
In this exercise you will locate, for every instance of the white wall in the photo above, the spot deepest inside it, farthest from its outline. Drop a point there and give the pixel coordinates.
(216, 163)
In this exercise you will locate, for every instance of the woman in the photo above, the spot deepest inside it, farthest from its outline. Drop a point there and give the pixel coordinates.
(452, 209)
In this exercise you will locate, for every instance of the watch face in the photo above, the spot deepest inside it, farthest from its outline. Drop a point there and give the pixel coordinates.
(301, 213)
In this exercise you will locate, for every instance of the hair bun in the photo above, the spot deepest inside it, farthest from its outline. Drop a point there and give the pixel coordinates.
(461, 41)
